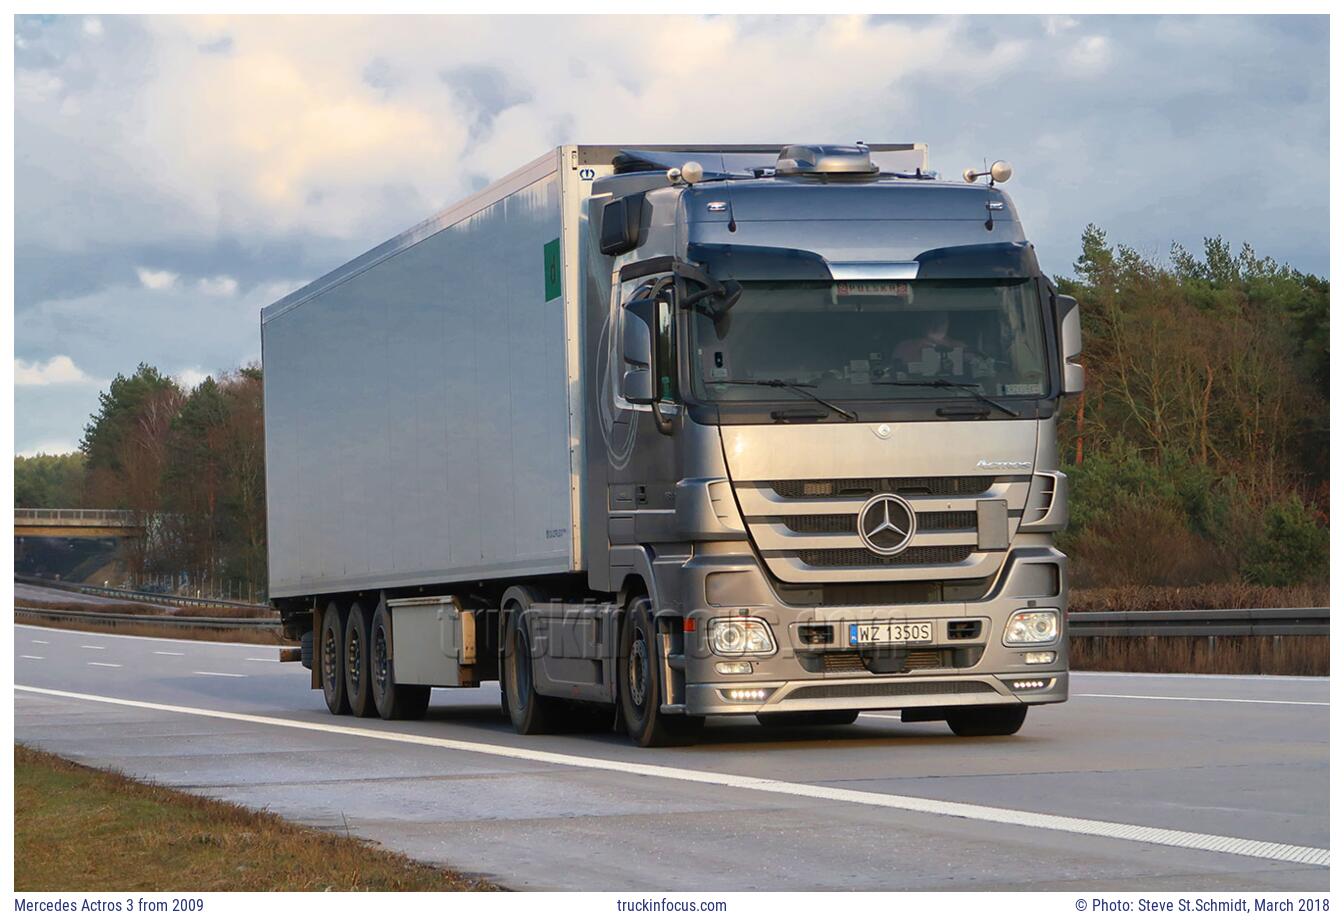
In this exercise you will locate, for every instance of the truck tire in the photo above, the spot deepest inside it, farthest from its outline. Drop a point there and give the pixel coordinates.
(530, 713)
(639, 683)
(798, 719)
(358, 674)
(306, 649)
(391, 699)
(978, 721)
(333, 671)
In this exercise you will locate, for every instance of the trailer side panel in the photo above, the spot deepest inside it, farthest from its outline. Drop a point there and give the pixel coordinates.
(416, 406)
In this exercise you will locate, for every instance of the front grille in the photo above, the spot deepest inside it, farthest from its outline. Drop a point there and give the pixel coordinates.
(963, 629)
(848, 523)
(890, 660)
(831, 691)
(862, 558)
(909, 485)
(835, 662)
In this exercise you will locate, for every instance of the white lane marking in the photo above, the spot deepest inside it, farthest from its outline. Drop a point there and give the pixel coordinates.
(175, 654)
(217, 674)
(39, 642)
(33, 657)
(81, 632)
(101, 648)
(1197, 699)
(101, 664)
(267, 660)
(1214, 843)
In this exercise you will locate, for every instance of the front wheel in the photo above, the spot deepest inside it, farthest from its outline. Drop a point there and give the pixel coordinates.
(979, 721)
(639, 676)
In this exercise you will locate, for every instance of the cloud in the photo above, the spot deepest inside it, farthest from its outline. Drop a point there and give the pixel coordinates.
(190, 378)
(265, 151)
(49, 448)
(218, 286)
(93, 26)
(156, 279)
(57, 370)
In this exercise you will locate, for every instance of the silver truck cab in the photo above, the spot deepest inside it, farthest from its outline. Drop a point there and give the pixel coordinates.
(828, 398)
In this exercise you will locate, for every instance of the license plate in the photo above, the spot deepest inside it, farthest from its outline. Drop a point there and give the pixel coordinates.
(890, 633)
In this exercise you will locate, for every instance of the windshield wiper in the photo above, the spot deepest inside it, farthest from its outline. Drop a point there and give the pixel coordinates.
(941, 384)
(795, 387)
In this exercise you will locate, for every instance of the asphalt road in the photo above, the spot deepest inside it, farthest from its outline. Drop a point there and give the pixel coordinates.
(1077, 800)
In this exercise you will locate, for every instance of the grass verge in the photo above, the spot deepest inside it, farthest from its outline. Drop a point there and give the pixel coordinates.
(80, 829)
(1229, 596)
(1297, 655)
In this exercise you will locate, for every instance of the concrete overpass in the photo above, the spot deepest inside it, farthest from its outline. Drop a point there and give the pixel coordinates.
(75, 522)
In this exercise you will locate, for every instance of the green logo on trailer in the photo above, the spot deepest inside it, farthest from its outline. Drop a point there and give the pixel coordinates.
(551, 267)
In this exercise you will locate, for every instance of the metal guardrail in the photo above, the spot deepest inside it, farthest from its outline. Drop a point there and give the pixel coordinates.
(114, 516)
(1203, 624)
(112, 619)
(167, 600)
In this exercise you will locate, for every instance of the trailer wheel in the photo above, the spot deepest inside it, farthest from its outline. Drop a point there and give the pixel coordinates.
(306, 650)
(333, 671)
(530, 713)
(640, 683)
(392, 700)
(358, 625)
(798, 719)
(975, 721)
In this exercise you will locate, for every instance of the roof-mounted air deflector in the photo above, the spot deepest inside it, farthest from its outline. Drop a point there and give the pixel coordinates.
(824, 159)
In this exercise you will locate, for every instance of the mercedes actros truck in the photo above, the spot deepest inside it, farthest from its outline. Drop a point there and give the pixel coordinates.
(650, 434)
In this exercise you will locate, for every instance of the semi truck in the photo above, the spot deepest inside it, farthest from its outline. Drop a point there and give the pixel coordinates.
(650, 434)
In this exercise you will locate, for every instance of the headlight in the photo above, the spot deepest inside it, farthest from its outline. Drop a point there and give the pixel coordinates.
(741, 636)
(1031, 627)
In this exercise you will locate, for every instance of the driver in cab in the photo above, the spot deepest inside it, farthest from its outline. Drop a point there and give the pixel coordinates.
(932, 351)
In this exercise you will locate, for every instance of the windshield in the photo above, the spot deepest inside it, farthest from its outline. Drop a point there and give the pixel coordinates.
(872, 340)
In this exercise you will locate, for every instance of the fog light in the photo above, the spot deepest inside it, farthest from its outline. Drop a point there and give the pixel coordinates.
(1033, 684)
(747, 694)
(733, 667)
(1040, 657)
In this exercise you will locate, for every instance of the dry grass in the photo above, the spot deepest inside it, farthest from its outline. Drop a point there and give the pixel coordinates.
(74, 604)
(261, 635)
(1227, 596)
(1301, 655)
(79, 829)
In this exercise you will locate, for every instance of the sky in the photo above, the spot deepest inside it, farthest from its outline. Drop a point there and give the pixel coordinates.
(173, 175)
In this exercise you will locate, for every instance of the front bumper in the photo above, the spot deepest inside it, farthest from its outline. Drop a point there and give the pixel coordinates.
(874, 692)
(952, 670)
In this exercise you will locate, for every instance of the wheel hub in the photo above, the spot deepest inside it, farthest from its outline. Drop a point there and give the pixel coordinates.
(380, 668)
(638, 675)
(329, 653)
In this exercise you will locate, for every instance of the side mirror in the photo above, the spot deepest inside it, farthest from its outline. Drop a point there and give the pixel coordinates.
(620, 224)
(637, 351)
(1070, 344)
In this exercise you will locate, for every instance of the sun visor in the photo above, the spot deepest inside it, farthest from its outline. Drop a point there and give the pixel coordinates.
(983, 260)
(758, 263)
